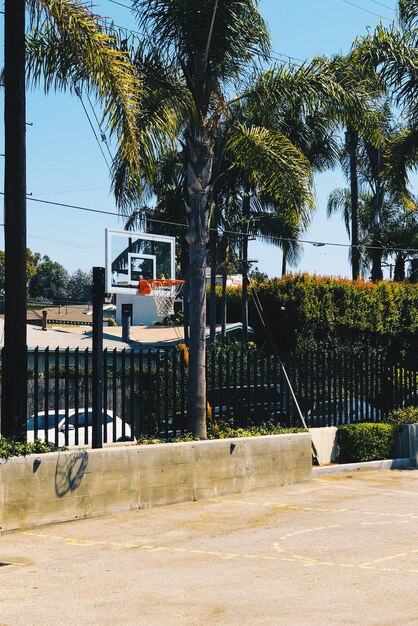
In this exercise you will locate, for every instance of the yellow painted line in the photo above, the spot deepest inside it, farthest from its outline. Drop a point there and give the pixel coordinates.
(391, 569)
(285, 505)
(184, 550)
(390, 558)
(161, 548)
(229, 556)
(277, 547)
(304, 561)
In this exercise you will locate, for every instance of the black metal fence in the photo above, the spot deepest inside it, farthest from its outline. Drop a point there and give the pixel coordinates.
(145, 391)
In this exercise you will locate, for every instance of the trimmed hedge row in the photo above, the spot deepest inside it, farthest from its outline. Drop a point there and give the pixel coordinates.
(373, 442)
(301, 308)
(365, 442)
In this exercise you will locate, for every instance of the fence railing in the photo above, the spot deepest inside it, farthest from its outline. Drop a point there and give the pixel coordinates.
(145, 391)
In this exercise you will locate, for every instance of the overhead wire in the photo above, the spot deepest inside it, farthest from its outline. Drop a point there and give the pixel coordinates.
(367, 10)
(102, 133)
(78, 93)
(272, 238)
(383, 5)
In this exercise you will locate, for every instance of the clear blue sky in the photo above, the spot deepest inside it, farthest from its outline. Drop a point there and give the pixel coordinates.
(65, 163)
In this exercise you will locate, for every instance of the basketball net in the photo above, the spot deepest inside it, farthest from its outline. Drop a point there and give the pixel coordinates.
(164, 291)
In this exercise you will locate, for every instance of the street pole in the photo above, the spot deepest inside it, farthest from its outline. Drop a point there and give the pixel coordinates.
(14, 370)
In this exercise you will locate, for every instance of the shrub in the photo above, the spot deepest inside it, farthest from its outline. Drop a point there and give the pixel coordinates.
(365, 442)
(11, 447)
(301, 308)
(225, 432)
(251, 431)
(400, 417)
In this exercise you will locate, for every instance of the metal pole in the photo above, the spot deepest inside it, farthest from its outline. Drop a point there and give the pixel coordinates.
(14, 378)
(97, 369)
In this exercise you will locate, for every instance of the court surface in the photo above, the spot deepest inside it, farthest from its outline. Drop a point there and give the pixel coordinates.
(340, 550)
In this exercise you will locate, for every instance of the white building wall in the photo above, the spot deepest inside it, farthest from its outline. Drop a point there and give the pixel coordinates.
(144, 312)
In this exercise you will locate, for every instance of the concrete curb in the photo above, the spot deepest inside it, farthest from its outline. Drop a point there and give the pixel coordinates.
(361, 467)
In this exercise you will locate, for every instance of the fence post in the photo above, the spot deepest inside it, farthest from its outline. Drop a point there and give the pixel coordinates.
(97, 365)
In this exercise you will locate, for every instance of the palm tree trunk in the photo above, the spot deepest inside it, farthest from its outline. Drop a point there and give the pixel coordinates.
(213, 240)
(224, 304)
(284, 262)
(14, 379)
(246, 216)
(196, 410)
(198, 177)
(352, 143)
(186, 309)
(377, 250)
(399, 274)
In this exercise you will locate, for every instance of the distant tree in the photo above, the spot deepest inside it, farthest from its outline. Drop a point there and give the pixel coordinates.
(76, 283)
(257, 276)
(50, 281)
(32, 260)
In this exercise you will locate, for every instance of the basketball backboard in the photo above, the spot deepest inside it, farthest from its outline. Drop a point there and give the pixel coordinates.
(132, 256)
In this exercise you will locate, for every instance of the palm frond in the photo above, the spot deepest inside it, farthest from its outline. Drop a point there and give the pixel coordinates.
(235, 27)
(69, 46)
(339, 201)
(271, 161)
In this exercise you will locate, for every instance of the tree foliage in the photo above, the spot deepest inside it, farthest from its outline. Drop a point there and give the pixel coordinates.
(50, 281)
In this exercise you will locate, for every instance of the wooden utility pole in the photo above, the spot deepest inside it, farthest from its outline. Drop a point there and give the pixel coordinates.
(14, 371)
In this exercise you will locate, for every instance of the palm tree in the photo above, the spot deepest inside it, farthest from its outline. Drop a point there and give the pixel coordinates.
(205, 52)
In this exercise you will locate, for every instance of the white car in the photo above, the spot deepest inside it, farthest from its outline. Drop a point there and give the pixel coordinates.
(111, 424)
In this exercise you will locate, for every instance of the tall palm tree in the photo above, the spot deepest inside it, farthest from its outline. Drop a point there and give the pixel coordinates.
(205, 53)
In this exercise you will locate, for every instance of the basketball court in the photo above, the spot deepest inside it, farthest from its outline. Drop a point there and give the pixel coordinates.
(339, 550)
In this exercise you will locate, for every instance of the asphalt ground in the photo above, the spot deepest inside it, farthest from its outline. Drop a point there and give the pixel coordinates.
(340, 550)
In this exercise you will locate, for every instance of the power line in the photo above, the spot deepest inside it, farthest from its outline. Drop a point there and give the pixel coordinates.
(367, 10)
(228, 232)
(102, 134)
(78, 92)
(383, 5)
(57, 193)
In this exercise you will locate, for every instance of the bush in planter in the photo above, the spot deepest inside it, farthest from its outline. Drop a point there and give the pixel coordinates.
(365, 442)
(10, 447)
(400, 417)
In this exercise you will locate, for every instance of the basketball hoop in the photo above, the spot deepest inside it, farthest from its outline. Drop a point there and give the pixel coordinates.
(164, 291)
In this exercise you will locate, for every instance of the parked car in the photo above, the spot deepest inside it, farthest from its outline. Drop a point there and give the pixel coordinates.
(58, 422)
(341, 412)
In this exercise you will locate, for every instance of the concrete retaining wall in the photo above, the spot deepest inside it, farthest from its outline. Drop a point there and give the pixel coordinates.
(56, 487)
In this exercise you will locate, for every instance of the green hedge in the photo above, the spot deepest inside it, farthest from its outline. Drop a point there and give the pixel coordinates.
(400, 417)
(365, 442)
(302, 308)
(10, 447)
